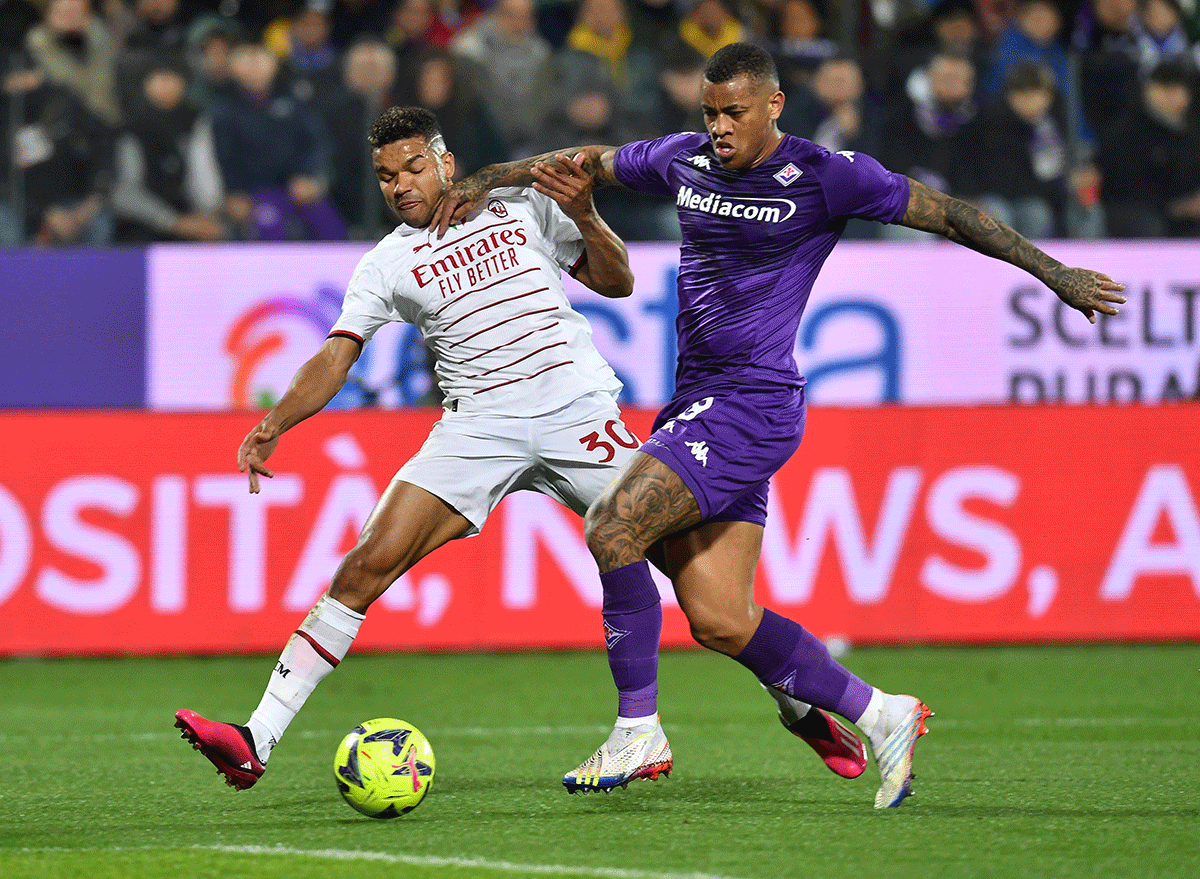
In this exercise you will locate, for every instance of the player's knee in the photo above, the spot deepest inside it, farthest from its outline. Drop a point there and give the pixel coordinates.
(717, 631)
(360, 579)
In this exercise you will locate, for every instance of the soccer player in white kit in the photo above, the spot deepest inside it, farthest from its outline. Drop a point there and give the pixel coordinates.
(529, 404)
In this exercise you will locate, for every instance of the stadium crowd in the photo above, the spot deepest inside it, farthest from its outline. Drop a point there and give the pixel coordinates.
(131, 121)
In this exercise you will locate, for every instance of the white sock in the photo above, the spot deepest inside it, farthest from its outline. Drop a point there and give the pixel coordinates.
(883, 715)
(313, 651)
(791, 709)
(629, 722)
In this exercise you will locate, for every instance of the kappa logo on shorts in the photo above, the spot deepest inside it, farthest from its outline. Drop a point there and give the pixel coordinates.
(699, 451)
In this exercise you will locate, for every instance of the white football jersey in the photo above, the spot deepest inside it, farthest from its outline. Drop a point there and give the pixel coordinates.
(489, 301)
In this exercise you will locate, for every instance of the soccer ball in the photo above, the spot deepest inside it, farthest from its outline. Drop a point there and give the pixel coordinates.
(384, 767)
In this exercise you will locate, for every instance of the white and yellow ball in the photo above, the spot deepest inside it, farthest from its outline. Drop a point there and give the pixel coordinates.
(384, 767)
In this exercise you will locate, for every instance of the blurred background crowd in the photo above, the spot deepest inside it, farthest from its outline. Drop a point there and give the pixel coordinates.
(132, 121)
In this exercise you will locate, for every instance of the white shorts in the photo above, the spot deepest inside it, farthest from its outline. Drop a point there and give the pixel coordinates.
(471, 460)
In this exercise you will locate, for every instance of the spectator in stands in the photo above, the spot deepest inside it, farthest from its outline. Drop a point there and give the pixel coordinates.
(1106, 35)
(1033, 35)
(73, 48)
(708, 25)
(302, 40)
(515, 65)
(168, 182)
(274, 154)
(65, 161)
(443, 86)
(841, 114)
(355, 18)
(602, 29)
(586, 109)
(1151, 176)
(1014, 158)
(158, 30)
(368, 86)
(158, 26)
(798, 43)
(950, 25)
(847, 118)
(680, 87)
(653, 22)
(433, 22)
(210, 42)
(410, 34)
(922, 129)
(1162, 35)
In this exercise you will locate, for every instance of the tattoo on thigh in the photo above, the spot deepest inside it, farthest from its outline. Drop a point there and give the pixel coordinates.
(648, 502)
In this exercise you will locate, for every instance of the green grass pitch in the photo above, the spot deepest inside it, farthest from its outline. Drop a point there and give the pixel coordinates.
(1071, 761)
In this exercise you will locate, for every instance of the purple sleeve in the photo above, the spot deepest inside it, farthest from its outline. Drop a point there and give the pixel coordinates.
(642, 165)
(858, 186)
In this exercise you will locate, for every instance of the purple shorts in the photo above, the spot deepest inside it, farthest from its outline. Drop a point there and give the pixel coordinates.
(727, 445)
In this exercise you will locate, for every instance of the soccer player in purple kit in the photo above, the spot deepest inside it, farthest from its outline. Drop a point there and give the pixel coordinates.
(760, 211)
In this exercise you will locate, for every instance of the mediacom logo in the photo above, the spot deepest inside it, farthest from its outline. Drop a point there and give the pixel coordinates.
(765, 210)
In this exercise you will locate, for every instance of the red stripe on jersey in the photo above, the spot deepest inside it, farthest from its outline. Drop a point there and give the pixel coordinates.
(346, 334)
(476, 232)
(506, 344)
(321, 651)
(523, 357)
(578, 264)
(507, 320)
(524, 377)
(450, 302)
(492, 304)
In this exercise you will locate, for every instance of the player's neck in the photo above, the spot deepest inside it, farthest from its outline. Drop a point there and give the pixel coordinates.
(769, 148)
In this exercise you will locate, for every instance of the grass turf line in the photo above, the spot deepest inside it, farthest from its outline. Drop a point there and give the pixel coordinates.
(1066, 761)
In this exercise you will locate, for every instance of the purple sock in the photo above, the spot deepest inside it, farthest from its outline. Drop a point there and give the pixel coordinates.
(784, 654)
(632, 626)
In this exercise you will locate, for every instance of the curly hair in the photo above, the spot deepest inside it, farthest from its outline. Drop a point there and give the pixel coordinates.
(401, 123)
(738, 58)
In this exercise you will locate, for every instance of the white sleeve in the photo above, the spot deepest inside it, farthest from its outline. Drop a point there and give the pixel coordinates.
(564, 238)
(367, 304)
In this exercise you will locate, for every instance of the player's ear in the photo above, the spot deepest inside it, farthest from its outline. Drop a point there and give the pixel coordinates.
(775, 105)
(448, 165)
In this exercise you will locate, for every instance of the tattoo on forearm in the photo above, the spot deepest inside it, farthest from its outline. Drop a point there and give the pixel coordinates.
(965, 224)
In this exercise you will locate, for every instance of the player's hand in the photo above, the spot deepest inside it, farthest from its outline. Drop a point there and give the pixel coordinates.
(253, 453)
(456, 202)
(1089, 292)
(566, 181)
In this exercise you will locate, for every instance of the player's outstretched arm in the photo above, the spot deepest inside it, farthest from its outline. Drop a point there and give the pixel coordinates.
(466, 194)
(313, 386)
(1083, 289)
(605, 267)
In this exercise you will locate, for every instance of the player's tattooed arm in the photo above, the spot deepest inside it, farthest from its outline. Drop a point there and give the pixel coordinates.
(1083, 289)
(461, 198)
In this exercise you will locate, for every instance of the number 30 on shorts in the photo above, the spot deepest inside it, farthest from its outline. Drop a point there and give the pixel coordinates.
(614, 429)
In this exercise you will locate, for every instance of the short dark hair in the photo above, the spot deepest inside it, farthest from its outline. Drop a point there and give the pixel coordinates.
(1173, 71)
(1029, 76)
(738, 58)
(401, 123)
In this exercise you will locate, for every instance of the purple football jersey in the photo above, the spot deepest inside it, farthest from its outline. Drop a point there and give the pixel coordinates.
(753, 243)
